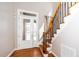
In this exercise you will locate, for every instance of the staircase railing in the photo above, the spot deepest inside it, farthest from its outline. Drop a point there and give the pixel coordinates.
(54, 24)
(72, 4)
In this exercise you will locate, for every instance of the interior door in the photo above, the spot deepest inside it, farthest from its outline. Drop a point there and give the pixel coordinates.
(27, 32)
(26, 41)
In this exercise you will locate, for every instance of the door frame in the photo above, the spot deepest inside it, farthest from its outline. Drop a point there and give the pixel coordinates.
(18, 16)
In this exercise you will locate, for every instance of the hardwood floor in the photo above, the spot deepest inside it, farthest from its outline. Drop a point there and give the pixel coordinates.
(30, 52)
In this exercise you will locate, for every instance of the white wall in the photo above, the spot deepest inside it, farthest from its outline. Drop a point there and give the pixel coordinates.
(6, 28)
(70, 35)
(68, 38)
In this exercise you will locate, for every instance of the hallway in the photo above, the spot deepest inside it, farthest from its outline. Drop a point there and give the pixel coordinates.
(29, 32)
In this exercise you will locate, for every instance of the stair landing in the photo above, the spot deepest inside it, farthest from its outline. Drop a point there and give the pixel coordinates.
(30, 52)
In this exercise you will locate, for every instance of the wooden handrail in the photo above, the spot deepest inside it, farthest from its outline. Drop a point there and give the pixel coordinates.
(52, 17)
(57, 9)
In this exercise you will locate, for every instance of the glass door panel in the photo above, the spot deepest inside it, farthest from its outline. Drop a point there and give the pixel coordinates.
(27, 30)
(34, 30)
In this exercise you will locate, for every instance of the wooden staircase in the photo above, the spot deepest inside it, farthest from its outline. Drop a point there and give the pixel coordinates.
(45, 47)
(54, 25)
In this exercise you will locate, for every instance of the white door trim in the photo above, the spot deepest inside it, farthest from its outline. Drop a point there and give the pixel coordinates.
(18, 14)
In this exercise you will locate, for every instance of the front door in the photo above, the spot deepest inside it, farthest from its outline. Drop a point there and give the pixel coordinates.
(27, 31)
